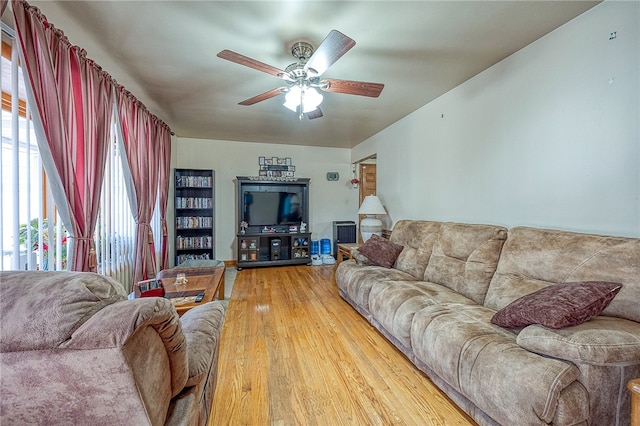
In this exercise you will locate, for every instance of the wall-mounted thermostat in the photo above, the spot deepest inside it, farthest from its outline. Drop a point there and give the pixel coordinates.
(333, 176)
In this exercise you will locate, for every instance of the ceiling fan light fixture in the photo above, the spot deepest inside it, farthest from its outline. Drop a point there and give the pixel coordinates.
(307, 97)
(292, 98)
(311, 100)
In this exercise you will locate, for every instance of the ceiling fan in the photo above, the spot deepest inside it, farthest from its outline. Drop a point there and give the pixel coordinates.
(302, 77)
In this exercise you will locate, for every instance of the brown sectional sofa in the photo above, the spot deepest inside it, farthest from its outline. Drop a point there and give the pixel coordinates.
(437, 301)
(74, 350)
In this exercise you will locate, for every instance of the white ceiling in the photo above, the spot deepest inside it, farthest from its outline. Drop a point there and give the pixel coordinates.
(164, 52)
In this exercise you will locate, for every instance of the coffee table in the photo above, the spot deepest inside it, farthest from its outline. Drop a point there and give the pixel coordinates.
(210, 281)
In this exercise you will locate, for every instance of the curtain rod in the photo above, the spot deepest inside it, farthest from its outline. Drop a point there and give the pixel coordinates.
(10, 32)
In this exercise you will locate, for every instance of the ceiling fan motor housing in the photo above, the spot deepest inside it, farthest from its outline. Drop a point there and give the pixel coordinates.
(296, 71)
(302, 51)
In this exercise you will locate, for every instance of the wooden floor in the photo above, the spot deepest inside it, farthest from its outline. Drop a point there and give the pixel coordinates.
(293, 352)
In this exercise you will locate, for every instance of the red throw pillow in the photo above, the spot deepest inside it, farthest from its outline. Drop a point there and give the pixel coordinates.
(380, 251)
(558, 305)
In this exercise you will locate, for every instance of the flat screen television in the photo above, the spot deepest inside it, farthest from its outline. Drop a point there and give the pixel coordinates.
(273, 207)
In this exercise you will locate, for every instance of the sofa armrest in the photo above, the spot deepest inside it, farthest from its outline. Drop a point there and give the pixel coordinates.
(202, 326)
(605, 341)
(114, 325)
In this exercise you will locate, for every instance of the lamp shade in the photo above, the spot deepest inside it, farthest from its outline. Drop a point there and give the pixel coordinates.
(371, 205)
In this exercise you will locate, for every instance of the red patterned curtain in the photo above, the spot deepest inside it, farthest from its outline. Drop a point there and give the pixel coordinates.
(139, 130)
(73, 101)
(164, 156)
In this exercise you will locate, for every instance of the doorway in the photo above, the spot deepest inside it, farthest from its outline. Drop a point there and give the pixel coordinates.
(368, 176)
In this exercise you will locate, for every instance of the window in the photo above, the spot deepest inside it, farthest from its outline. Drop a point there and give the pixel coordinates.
(32, 235)
(29, 239)
(115, 227)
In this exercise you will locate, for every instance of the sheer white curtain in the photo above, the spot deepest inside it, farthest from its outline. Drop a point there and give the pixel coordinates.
(115, 229)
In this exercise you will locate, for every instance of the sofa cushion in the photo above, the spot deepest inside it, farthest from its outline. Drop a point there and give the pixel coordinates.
(485, 364)
(202, 326)
(380, 251)
(535, 258)
(42, 309)
(558, 306)
(356, 281)
(601, 341)
(394, 304)
(417, 237)
(465, 257)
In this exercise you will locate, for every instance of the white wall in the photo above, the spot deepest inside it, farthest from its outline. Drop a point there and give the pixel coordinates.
(548, 137)
(328, 201)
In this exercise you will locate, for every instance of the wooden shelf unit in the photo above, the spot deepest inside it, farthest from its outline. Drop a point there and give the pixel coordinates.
(194, 207)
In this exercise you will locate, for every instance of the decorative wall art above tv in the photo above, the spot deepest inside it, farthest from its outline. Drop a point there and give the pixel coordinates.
(275, 167)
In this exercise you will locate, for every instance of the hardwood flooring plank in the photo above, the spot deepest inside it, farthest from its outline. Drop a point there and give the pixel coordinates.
(292, 352)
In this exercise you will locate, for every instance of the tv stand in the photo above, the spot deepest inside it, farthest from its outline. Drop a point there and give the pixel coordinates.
(273, 249)
(271, 212)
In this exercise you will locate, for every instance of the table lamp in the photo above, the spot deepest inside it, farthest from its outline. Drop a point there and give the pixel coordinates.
(370, 225)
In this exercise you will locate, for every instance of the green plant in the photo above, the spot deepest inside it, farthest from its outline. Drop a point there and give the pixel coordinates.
(32, 230)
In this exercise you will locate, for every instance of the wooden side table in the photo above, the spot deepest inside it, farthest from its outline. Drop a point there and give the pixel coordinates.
(345, 250)
(634, 387)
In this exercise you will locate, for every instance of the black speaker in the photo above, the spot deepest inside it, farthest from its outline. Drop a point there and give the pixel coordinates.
(344, 232)
(276, 248)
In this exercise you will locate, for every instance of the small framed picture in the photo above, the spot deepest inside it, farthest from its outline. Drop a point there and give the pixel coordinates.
(261, 161)
(287, 161)
(268, 161)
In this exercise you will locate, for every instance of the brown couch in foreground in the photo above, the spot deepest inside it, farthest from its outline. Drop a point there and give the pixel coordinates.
(74, 350)
(437, 302)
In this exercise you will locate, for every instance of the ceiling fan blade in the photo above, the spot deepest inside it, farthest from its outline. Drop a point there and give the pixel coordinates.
(317, 113)
(262, 97)
(330, 50)
(351, 87)
(249, 62)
